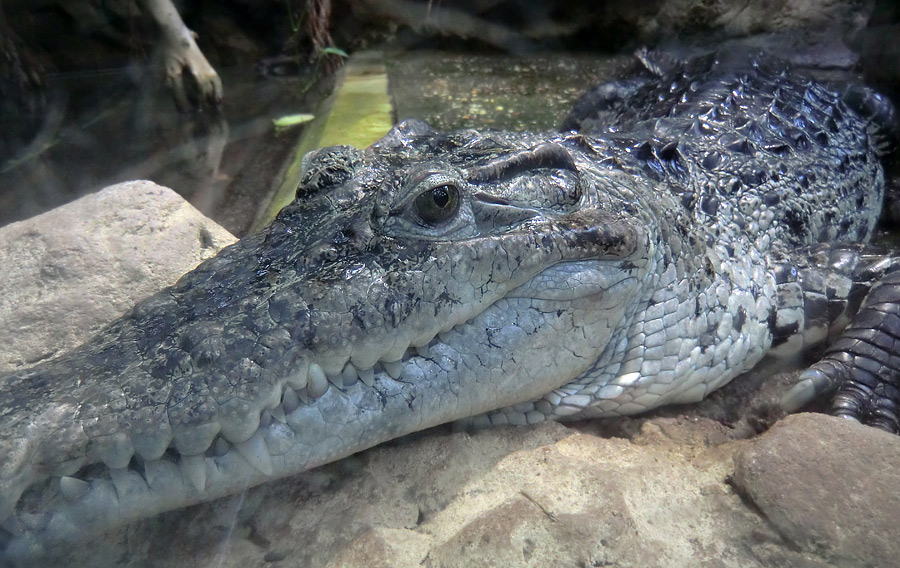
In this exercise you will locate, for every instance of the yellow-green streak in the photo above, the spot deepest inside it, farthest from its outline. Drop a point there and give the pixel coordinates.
(356, 114)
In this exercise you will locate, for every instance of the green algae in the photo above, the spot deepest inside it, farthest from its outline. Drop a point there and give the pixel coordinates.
(356, 114)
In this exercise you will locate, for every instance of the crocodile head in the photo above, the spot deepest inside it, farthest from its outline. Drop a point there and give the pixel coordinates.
(428, 250)
(428, 278)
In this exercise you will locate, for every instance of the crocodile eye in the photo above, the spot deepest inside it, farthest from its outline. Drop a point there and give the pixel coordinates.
(438, 204)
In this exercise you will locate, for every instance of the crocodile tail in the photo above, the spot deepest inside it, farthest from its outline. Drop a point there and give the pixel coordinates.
(878, 112)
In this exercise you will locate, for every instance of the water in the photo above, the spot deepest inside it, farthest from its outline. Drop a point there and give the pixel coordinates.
(103, 128)
(451, 91)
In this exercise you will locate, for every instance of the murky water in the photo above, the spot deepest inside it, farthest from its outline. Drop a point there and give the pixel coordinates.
(225, 166)
(100, 129)
(451, 91)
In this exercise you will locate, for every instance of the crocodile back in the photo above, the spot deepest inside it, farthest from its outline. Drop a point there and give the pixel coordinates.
(745, 144)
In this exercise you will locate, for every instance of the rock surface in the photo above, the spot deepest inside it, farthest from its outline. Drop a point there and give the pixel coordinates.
(828, 486)
(676, 489)
(551, 495)
(69, 272)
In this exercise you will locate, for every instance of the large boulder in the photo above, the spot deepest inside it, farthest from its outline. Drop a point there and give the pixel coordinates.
(828, 486)
(69, 272)
(552, 495)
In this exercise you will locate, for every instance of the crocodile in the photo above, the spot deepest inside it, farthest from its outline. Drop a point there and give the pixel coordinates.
(687, 221)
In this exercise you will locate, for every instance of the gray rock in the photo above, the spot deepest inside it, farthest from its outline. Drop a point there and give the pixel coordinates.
(72, 270)
(590, 501)
(538, 496)
(828, 486)
(718, 19)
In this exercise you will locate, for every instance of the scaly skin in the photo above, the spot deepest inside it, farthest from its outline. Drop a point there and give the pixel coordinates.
(517, 276)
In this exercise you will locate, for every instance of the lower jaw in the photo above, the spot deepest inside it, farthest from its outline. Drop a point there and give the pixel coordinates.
(495, 360)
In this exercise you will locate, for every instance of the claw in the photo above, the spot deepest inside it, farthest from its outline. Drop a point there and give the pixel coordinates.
(256, 453)
(73, 488)
(811, 384)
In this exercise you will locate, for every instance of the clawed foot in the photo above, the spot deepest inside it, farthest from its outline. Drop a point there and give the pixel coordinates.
(859, 394)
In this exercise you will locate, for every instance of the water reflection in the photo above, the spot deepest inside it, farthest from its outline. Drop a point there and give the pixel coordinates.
(98, 129)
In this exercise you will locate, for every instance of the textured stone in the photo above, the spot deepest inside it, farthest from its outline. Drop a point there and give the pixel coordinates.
(72, 270)
(735, 18)
(383, 548)
(829, 486)
(549, 495)
(536, 496)
(589, 501)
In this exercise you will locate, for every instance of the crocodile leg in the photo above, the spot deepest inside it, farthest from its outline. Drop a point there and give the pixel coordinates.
(858, 284)
(866, 361)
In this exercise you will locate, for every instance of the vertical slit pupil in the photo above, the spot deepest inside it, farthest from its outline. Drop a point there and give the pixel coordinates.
(441, 196)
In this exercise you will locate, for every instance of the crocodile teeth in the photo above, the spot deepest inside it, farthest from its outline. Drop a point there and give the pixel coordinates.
(196, 439)
(278, 414)
(367, 376)
(394, 369)
(318, 382)
(150, 442)
(194, 468)
(300, 376)
(221, 447)
(154, 471)
(256, 453)
(238, 424)
(289, 400)
(423, 339)
(70, 467)
(349, 375)
(396, 353)
(73, 489)
(115, 450)
(151, 447)
(120, 479)
(364, 359)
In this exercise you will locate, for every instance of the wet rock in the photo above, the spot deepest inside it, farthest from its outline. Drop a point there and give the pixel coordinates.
(590, 501)
(828, 486)
(733, 18)
(72, 270)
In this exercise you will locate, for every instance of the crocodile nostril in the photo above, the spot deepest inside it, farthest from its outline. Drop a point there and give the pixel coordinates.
(343, 236)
